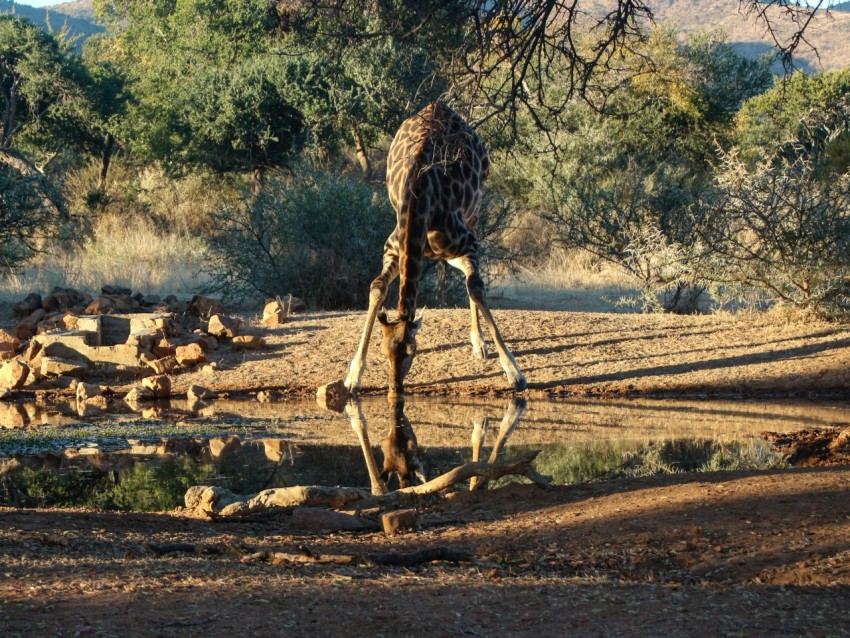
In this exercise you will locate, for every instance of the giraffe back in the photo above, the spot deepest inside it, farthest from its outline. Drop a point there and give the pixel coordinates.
(437, 149)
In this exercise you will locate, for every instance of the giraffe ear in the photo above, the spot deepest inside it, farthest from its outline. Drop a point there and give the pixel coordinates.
(417, 322)
(382, 317)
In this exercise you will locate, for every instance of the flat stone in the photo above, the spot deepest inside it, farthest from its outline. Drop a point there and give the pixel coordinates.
(399, 521)
(248, 342)
(316, 519)
(57, 366)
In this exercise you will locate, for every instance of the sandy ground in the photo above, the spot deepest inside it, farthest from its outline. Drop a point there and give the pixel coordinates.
(560, 353)
(719, 554)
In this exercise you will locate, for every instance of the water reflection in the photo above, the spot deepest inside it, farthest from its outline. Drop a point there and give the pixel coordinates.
(132, 463)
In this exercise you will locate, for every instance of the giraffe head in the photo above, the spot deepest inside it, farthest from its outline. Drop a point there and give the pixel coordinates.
(399, 347)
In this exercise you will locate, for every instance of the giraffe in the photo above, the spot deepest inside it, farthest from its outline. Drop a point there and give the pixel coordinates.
(435, 171)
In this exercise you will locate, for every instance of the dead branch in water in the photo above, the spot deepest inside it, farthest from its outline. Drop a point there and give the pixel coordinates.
(217, 502)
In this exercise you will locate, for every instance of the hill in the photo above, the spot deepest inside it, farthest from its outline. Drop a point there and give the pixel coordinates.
(76, 16)
(828, 33)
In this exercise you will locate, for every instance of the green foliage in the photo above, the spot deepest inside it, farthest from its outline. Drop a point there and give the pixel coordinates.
(778, 116)
(317, 234)
(142, 488)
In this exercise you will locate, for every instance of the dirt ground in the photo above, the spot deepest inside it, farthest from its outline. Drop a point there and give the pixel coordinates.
(560, 353)
(711, 554)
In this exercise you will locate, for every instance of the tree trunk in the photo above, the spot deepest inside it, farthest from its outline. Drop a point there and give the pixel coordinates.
(362, 154)
(49, 199)
(105, 160)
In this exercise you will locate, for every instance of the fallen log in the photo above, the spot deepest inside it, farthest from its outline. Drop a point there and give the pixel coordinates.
(218, 502)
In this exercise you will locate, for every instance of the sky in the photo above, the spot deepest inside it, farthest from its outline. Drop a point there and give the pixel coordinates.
(47, 3)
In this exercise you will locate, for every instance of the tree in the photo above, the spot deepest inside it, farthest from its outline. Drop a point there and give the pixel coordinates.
(627, 182)
(208, 87)
(533, 57)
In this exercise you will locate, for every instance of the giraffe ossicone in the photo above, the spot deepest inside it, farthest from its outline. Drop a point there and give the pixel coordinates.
(435, 172)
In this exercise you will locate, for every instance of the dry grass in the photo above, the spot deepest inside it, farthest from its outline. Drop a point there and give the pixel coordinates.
(132, 253)
(567, 280)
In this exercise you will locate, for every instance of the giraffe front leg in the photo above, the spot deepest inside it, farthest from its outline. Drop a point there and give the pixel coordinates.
(479, 347)
(377, 294)
(358, 424)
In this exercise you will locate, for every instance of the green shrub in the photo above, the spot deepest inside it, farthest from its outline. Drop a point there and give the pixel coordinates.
(318, 235)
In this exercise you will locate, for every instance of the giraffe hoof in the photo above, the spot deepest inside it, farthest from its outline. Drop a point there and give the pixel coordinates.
(518, 383)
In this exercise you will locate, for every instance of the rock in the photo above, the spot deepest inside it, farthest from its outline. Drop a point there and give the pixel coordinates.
(25, 330)
(248, 342)
(190, 354)
(70, 320)
(315, 519)
(164, 365)
(165, 348)
(124, 303)
(273, 313)
(137, 395)
(111, 289)
(13, 374)
(207, 342)
(220, 446)
(200, 393)
(143, 340)
(7, 351)
(62, 299)
(294, 304)
(36, 316)
(159, 385)
(210, 368)
(86, 391)
(9, 338)
(399, 520)
(201, 306)
(223, 326)
(28, 305)
(333, 396)
(149, 300)
(103, 305)
(57, 366)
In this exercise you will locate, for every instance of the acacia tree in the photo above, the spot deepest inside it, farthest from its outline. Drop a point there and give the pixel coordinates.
(626, 184)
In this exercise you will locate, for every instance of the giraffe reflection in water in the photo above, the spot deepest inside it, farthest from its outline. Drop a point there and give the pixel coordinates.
(402, 457)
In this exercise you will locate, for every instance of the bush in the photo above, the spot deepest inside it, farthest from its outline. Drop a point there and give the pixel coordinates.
(783, 227)
(318, 235)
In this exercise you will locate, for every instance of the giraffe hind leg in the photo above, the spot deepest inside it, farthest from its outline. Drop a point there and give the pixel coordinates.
(475, 288)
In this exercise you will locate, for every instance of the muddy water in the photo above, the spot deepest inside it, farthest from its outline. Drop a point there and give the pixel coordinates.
(51, 455)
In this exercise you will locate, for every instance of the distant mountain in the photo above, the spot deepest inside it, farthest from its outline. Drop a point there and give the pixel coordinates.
(77, 16)
(829, 34)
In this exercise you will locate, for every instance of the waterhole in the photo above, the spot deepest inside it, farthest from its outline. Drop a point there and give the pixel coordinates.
(52, 456)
